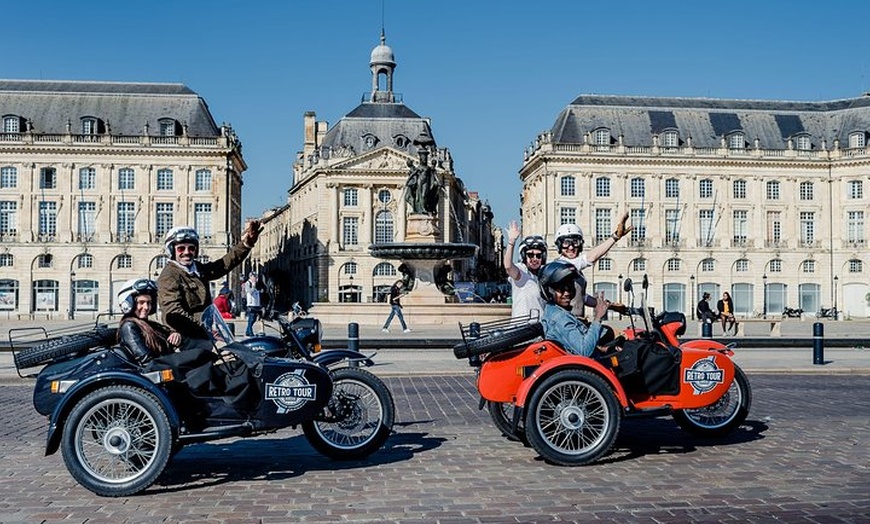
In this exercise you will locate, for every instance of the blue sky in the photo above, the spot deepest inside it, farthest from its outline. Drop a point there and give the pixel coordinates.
(490, 74)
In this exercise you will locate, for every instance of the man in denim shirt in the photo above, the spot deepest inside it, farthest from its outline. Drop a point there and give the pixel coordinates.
(557, 287)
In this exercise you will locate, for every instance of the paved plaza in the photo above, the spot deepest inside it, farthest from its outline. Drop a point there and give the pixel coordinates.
(801, 457)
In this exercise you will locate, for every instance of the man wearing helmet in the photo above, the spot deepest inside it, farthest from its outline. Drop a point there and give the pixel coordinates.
(143, 338)
(183, 290)
(569, 243)
(558, 287)
(525, 295)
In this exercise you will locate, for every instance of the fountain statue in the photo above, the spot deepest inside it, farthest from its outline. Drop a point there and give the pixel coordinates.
(424, 256)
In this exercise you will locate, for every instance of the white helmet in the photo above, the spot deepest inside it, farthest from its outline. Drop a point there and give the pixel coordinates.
(568, 231)
(180, 235)
(132, 289)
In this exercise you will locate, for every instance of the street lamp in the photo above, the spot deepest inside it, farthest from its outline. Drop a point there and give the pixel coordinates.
(836, 313)
(692, 294)
(764, 283)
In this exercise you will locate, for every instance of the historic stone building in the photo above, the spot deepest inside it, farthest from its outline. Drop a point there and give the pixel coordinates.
(92, 175)
(764, 199)
(348, 193)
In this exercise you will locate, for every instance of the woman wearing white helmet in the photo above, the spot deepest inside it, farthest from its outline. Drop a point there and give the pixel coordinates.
(143, 338)
(569, 243)
(183, 285)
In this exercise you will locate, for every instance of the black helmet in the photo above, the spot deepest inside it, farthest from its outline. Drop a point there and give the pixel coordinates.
(553, 273)
(534, 242)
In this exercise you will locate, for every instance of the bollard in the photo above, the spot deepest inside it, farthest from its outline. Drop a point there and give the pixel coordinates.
(818, 343)
(353, 336)
(706, 329)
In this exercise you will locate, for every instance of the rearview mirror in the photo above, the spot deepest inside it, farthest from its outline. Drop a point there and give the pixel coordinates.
(626, 286)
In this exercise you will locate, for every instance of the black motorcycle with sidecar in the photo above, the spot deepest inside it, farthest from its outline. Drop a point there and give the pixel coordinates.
(118, 423)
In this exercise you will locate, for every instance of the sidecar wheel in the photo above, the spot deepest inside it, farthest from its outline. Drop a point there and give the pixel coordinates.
(116, 441)
(572, 418)
(358, 418)
(501, 414)
(722, 417)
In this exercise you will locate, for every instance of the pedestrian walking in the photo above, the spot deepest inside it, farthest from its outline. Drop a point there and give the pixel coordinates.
(252, 302)
(396, 308)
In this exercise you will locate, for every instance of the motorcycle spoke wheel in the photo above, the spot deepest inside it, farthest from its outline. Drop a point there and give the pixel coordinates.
(724, 415)
(502, 414)
(357, 419)
(573, 418)
(117, 441)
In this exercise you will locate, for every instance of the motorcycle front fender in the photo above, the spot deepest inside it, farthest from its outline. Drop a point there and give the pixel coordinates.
(332, 357)
(83, 387)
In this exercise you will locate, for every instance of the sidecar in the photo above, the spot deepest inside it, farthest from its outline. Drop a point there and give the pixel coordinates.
(569, 407)
(118, 423)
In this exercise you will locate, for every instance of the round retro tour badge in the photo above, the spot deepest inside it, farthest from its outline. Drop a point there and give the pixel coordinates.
(704, 375)
(290, 391)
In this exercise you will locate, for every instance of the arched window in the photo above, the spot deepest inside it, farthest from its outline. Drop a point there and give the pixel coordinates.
(383, 227)
(85, 261)
(736, 141)
(125, 261)
(384, 269)
(673, 264)
(602, 137)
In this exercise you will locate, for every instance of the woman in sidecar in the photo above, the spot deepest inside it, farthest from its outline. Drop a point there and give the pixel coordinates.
(229, 374)
(143, 338)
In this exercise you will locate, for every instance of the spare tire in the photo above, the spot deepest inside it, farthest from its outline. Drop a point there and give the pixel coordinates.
(498, 341)
(66, 345)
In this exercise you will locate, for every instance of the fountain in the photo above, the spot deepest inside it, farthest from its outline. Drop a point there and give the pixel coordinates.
(423, 257)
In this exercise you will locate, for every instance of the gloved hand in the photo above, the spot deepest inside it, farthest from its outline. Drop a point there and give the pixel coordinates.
(622, 229)
(252, 233)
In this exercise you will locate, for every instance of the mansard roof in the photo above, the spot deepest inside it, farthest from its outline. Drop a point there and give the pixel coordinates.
(127, 107)
(707, 120)
(383, 121)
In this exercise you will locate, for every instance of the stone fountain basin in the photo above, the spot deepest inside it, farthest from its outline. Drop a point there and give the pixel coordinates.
(423, 251)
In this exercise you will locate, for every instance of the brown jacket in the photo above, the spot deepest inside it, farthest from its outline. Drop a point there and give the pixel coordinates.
(183, 297)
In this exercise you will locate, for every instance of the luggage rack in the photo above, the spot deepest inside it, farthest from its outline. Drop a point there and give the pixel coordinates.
(497, 335)
(476, 330)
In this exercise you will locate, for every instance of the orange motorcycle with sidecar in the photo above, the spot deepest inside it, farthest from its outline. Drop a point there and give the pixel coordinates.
(569, 407)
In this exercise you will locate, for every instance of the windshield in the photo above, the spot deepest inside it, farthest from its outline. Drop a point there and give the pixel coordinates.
(216, 326)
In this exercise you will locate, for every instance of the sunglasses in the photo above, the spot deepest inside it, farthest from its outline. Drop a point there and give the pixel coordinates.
(563, 287)
(185, 248)
(534, 255)
(571, 242)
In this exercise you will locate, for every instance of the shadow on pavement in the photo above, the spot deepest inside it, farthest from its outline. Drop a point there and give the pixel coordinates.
(638, 438)
(212, 464)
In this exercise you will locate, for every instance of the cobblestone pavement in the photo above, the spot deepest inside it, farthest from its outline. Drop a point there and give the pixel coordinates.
(802, 457)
